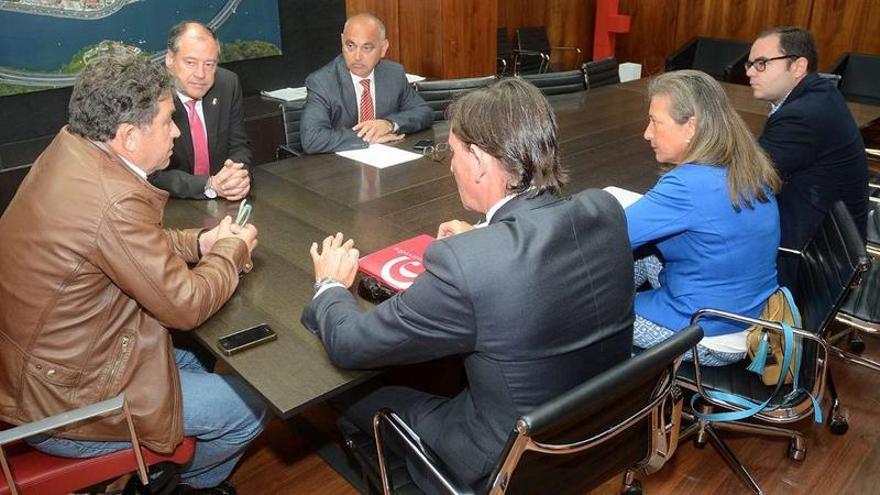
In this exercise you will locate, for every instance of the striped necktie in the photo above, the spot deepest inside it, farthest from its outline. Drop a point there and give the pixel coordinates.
(366, 102)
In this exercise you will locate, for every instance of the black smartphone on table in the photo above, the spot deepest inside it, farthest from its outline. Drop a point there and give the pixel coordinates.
(421, 144)
(245, 339)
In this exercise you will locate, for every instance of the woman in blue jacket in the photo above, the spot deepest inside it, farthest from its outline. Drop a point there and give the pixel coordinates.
(712, 217)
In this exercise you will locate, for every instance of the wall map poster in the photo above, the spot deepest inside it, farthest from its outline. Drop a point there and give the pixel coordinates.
(42, 42)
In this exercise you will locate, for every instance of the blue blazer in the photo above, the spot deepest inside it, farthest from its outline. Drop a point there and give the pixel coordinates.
(819, 152)
(331, 108)
(535, 303)
(714, 256)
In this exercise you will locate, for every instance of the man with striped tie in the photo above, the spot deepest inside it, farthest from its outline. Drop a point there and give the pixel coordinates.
(358, 98)
(212, 154)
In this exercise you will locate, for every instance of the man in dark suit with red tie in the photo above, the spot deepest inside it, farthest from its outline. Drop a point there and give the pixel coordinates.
(212, 155)
(359, 98)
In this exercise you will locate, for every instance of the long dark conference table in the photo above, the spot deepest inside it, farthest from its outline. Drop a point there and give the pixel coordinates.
(303, 199)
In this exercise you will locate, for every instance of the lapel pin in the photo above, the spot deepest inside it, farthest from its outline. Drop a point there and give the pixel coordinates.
(214, 101)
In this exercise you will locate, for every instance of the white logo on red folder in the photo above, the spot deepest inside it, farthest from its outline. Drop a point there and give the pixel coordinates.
(398, 265)
(399, 271)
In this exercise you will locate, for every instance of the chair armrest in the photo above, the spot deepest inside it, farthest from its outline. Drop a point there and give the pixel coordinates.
(420, 453)
(771, 326)
(113, 405)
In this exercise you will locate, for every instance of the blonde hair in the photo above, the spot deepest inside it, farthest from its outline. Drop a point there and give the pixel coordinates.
(722, 138)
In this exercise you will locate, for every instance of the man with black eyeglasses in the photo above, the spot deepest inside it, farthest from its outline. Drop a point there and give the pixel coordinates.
(811, 136)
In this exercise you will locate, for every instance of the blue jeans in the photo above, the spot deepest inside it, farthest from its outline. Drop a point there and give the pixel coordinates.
(220, 411)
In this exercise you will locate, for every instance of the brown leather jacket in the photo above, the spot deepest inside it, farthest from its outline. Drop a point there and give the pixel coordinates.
(89, 282)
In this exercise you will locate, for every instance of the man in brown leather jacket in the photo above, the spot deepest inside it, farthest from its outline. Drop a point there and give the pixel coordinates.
(91, 282)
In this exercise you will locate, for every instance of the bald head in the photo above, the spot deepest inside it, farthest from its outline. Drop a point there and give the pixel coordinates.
(370, 20)
(363, 43)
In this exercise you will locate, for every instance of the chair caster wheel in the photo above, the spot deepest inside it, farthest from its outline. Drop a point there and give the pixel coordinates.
(796, 454)
(856, 345)
(634, 489)
(838, 425)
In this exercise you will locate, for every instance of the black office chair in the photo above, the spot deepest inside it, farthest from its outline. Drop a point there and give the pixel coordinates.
(439, 94)
(830, 264)
(504, 57)
(557, 83)
(10, 179)
(860, 311)
(721, 59)
(624, 419)
(291, 114)
(602, 72)
(533, 51)
(859, 75)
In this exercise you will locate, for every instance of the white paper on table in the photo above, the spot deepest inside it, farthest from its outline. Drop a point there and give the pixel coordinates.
(623, 196)
(380, 155)
(412, 78)
(287, 94)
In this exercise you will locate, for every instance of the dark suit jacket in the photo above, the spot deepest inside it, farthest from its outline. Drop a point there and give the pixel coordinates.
(535, 303)
(817, 148)
(331, 108)
(224, 122)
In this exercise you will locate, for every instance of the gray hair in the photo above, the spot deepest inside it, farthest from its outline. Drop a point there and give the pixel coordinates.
(512, 121)
(722, 138)
(117, 86)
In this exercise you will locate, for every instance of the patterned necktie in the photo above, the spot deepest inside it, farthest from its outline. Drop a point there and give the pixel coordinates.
(201, 165)
(366, 102)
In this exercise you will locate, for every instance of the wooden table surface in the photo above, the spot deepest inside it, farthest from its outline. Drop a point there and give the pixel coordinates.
(303, 199)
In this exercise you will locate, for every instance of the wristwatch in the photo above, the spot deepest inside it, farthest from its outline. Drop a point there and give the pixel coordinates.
(210, 193)
(326, 281)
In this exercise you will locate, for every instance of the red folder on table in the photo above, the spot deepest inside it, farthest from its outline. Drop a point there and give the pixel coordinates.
(398, 265)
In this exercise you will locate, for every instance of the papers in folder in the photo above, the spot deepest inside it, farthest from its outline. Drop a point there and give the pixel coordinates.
(286, 94)
(380, 155)
(623, 196)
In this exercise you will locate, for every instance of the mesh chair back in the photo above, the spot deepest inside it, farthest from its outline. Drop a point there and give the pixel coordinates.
(439, 94)
(591, 409)
(532, 40)
(556, 83)
(291, 112)
(602, 72)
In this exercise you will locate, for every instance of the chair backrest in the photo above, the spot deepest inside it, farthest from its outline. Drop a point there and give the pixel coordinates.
(532, 40)
(859, 75)
(602, 72)
(10, 179)
(291, 113)
(557, 83)
(439, 94)
(710, 55)
(831, 263)
(609, 418)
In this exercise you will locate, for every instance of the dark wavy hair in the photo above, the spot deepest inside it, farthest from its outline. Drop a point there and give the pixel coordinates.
(117, 86)
(512, 121)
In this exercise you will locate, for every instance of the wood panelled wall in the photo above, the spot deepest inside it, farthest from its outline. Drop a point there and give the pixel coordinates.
(457, 38)
(658, 27)
(439, 39)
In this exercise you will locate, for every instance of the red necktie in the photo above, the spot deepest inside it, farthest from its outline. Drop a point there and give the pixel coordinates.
(201, 165)
(366, 102)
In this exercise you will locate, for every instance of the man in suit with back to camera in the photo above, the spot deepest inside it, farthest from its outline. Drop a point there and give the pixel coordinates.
(358, 98)
(535, 302)
(92, 283)
(810, 135)
(212, 155)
